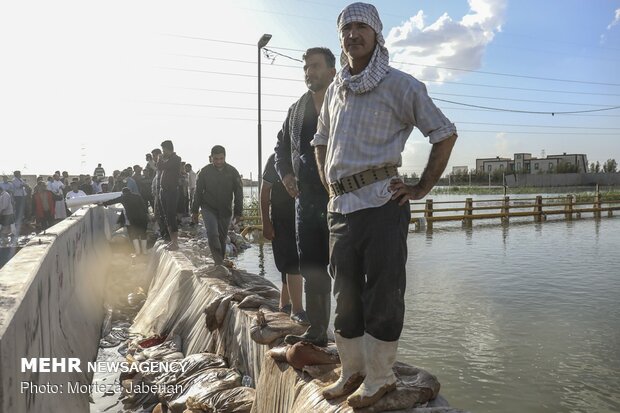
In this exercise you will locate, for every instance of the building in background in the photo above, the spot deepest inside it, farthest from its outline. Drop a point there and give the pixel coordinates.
(525, 163)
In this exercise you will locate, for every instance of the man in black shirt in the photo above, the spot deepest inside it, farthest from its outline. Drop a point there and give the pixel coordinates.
(217, 184)
(137, 215)
(296, 165)
(169, 167)
(278, 218)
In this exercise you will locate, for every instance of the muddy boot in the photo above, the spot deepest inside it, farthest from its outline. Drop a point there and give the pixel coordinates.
(317, 310)
(379, 358)
(351, 351)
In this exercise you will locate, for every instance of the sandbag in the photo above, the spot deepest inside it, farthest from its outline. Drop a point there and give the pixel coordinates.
(236, 400)
(203, 386)
(272, 325)
(306, 354)
(278, 353)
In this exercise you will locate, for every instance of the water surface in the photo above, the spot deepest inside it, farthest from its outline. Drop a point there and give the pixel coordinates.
(517, 318)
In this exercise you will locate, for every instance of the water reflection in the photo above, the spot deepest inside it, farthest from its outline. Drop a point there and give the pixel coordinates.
(505, 229)
(261, 259)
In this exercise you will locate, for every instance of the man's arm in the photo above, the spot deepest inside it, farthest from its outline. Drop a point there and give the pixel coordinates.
(284, 163)
(437, 161)
(112, 201)
(238, 192)
(319, 154)
(265, 197)
(198, 194)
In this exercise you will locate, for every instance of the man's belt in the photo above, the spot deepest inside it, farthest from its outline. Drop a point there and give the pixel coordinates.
(358, 180)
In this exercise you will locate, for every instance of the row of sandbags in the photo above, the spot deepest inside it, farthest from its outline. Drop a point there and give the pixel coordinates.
(200, 382)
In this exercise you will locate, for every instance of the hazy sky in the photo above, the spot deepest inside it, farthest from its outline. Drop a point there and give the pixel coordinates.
(88, 82)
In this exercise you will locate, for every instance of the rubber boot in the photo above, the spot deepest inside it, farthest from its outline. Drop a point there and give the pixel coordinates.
(143, 246)
(351, 351)
(379, 357)
(317, 310)
(136, 246)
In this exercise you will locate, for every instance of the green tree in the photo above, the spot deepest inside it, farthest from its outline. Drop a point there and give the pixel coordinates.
(597, 169)
(610, 166)
(565, 168)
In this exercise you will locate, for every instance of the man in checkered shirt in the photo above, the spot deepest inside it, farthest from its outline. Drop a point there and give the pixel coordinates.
(367, 115)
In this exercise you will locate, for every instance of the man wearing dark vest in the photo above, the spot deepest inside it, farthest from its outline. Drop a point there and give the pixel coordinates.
(297, 168)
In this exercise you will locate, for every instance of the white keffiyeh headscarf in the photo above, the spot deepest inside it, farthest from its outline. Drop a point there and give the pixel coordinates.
(378, 66)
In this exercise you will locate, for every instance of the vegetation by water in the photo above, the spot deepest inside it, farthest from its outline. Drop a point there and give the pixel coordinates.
(582, 193)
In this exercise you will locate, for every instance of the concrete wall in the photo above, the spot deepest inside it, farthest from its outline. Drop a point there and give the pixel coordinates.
(549, 180)
(51, 306)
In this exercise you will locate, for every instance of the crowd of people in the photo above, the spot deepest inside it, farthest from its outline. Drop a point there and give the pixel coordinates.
(25, 208)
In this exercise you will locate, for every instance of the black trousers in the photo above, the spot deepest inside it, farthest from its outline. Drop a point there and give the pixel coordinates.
(168, 201)
(313, 238)
(368, 252)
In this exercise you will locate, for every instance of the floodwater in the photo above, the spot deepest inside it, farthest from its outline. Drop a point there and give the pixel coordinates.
(523, 317)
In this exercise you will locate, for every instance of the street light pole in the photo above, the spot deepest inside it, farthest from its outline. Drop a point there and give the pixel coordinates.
(261, 43)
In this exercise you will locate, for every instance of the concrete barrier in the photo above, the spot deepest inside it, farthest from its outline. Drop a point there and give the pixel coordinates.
(51, 307)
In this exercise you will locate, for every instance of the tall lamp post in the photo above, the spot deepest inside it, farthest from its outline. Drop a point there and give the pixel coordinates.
(261, 43)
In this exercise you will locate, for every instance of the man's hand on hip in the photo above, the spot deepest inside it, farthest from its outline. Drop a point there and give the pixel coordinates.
(405, 193)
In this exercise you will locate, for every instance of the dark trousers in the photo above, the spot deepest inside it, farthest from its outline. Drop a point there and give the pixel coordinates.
(45, 221)
(217, 229)
(161, 220)
(169, 199)
(313, 239)
(137, 230)
(368, 252)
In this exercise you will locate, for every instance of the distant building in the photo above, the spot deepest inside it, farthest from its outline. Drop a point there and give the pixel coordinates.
(459, 170)
(525, 163)
(490, 165)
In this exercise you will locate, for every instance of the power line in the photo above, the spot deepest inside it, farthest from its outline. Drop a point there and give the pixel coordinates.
(425, 80)
(423, 65)
(228, 74)
(527, 111)
(552, 79)
(182, 36)
(533, 126)
(536, 133)
(462, 130)
(217, 106)
(437, 99)
(242, 92)
(267, 51)
(553, 113)
(558, 114)
(234, 60)
(518, 100)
